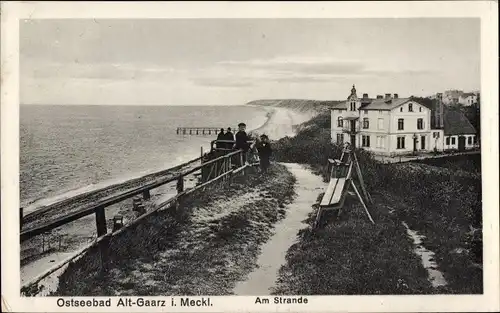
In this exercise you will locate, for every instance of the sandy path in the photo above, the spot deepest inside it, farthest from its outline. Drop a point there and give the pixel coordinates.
(273, 253)
(428, 261)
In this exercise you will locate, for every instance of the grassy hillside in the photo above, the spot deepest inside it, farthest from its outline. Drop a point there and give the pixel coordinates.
(442, 205)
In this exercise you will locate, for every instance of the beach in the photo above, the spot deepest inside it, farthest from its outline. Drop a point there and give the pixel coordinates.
(71, 237)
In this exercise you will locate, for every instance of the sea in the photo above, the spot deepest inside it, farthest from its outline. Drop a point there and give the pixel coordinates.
(69, 149)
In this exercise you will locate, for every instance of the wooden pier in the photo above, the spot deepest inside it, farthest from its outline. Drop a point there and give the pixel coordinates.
(200, 130)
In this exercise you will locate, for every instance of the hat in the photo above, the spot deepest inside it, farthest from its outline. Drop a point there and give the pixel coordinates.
(229, 128)
(242, 124)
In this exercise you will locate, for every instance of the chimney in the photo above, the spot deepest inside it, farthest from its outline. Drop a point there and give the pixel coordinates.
(380, 97)
(387, 96)
(365, 96)
(396, 96)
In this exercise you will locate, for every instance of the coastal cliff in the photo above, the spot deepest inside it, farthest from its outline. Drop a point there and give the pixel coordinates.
(299, 105)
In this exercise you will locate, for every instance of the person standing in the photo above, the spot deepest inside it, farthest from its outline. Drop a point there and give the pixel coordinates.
(229, 136)
(220, 136)
(265, 151)
(241, 139)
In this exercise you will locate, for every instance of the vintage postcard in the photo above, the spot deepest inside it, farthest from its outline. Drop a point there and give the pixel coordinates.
(249, 156)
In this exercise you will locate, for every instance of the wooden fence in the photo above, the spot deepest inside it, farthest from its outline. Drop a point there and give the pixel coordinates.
(220, 169)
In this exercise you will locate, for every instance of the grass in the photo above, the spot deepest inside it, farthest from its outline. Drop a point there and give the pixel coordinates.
(174, 254)
(351, 256)
(440, 205)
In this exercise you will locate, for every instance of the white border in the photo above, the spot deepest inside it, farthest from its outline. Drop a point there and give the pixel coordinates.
(11, 12)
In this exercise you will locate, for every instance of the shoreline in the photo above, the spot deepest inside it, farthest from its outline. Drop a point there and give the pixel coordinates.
(77, 234)
(34, 205)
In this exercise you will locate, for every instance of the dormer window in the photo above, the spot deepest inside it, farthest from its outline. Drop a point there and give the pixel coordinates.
(410, 107)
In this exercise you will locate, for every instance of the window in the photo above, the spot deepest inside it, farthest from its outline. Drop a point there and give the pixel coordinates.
(447, 141)
(365, 141)
(340, 139)
(401, 109)
(401, 143)
(452, 140)
(366, 123)
(340, 121)
(380, 141)
(420, 109)
(353, 106)
(420, 123)
(469, 140)
(410, 107)
(380, 123)
(365, 111)
(435, 135)
(475, 139)
(380, 111)
(401, 124)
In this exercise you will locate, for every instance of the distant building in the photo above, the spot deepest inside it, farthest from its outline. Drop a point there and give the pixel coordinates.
(390, 125)
(451, 97)
(467, 99)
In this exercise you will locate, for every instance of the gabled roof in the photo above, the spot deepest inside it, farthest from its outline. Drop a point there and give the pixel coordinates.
(455, 123)
(383, 104)
(468, 94)
(377, 104)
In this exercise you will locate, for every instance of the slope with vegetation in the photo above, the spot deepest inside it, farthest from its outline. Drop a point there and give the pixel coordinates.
(351, 256)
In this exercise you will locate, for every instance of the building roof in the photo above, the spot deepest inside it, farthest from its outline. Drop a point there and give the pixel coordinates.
(455, 123)
(377, 104)
(468, 94)
(382, 104)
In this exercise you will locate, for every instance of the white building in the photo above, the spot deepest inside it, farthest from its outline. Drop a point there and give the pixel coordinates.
(467, 99)
(451, 97)
(389, 125)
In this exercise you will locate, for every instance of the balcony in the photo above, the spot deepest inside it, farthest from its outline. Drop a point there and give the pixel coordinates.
(350, 130)
(351, 125)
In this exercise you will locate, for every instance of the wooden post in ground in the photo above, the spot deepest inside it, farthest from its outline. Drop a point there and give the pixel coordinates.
(100, 218)
(180, 184)
(241, 161)
(146, 195)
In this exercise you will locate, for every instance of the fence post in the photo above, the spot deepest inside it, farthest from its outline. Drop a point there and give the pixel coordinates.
(146, 195)
(100, 218)
(180, 184)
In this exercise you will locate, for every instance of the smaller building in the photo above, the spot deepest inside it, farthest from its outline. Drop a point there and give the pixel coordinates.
(452, 97)
(457, 133)
(467, 99)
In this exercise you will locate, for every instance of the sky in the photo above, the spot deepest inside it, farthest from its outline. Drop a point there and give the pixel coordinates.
(234, 61)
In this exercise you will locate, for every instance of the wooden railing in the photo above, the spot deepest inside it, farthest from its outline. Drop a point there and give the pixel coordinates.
(220, 169)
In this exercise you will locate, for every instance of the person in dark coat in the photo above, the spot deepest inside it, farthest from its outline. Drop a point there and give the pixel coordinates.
(229, 136)
(241, 139)
(265, 151)
(220, 136)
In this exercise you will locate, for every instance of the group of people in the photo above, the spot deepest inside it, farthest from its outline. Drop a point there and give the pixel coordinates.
(262, 145)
